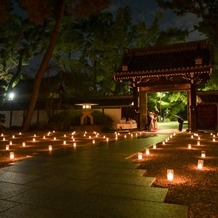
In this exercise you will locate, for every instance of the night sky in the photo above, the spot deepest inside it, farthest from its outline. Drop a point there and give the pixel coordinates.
(146, 9)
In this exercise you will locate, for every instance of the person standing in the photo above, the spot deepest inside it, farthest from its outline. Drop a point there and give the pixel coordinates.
(180, 121)
(151, 126)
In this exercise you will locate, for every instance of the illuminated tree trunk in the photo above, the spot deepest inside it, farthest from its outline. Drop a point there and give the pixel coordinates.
(43, 66)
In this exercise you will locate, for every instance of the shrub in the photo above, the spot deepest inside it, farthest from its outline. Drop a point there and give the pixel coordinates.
(102, 119)
(65, 119)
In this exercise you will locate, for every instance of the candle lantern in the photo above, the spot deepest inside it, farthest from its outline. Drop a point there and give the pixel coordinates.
(50, 147)
(23, 144)
(147, 152)
(189, 146)
(170, 174)
(203, 154)
(7, 147)
(64, 142)
(163, 143)
(140, 156)
(200, 164)
(198, 143)
(214, 139)
(10, 143)
(154, 146)
(11, 155)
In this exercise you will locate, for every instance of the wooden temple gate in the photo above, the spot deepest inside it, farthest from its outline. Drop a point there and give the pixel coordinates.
(176, 67)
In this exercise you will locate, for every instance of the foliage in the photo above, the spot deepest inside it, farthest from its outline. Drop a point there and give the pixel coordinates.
(170, 104)
(102, 119)
(64, 120)
(207, 12)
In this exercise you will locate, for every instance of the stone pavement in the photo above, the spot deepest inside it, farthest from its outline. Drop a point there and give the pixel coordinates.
(91, 181)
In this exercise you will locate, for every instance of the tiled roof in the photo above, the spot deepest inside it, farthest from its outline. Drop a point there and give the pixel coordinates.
(171, 59)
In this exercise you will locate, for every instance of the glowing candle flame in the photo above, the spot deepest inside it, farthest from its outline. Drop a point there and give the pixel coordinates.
(200, 164)
(140, 156)
(11, 155)
(203, 154)
(170, 175)
(50, 147)
(147, 152)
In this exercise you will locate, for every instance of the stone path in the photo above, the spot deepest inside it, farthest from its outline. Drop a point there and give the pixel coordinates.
(93, 181)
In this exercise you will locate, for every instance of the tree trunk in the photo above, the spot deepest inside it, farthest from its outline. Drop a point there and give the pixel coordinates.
(43, 66)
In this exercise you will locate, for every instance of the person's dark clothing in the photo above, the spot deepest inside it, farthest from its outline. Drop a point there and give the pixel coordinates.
(180, 123)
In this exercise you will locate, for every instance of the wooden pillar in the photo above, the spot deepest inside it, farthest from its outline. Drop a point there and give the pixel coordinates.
(193, 104)
(143, 110)
(189, 109)
(136, 104)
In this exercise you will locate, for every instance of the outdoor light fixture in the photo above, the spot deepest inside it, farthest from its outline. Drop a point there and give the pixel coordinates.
(11, 155)
(64, 142)
(13, 136)
(10, 143)
(192, 136)
(154, 146)
(11, 96)
(74, 144)
(54, 138)
(20, 133)
(214, 139)
(3, 139)
(34, 139)
(7, 147)
(107, 139)
(139, 155)
(23, 144)
(147, 152)
(170, 174)
(90, 137)
(34, 135)
(189, 146)
(43, 137)
(2, 134)
(198, 143)
(93, 141)
(203, 154)
(64, 135)
(163, 143)
(125, 136)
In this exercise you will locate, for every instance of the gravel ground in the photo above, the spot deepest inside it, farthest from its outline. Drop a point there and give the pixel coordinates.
(193, 187)
(197, 188)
